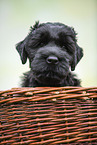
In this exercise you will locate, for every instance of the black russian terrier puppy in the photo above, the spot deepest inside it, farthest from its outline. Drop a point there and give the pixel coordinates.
(53, 53)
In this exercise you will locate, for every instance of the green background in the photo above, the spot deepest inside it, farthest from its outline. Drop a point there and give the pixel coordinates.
(16, 17)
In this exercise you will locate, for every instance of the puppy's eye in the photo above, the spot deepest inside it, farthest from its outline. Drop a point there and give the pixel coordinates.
(41, 44)
(63, 47)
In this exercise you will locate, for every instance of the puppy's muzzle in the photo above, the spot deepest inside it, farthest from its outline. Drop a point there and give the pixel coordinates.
(52, 60)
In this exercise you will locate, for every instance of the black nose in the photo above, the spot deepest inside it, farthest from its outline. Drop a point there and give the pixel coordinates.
(52, 60)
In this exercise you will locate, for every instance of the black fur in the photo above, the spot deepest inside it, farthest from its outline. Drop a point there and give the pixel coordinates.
(53, 53)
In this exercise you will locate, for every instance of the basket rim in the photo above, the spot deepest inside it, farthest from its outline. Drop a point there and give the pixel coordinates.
(47, 93)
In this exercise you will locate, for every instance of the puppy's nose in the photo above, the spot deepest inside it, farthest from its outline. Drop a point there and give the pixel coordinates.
(52, 60)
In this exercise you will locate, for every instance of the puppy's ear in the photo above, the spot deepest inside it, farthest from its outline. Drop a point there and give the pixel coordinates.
(21, 50)
(77, 57)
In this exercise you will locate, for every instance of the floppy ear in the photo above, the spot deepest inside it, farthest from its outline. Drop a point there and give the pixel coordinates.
(21, 50)
(77, 57)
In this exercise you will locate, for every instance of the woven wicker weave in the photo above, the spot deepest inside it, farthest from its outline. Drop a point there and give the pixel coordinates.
(48, 116)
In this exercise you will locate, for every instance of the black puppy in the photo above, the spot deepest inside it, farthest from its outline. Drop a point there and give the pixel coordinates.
(53, 53)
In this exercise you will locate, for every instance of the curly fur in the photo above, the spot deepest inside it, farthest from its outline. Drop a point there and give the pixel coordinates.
(54, 40)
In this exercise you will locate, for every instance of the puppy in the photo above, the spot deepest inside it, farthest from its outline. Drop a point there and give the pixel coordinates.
(53, 54)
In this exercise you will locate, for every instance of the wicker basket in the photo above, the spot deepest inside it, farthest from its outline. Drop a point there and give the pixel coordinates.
(48, 116)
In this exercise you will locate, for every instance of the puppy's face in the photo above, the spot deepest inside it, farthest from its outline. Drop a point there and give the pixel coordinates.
(52, 51)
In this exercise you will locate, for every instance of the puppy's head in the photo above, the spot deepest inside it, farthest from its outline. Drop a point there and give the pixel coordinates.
(52, 50)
